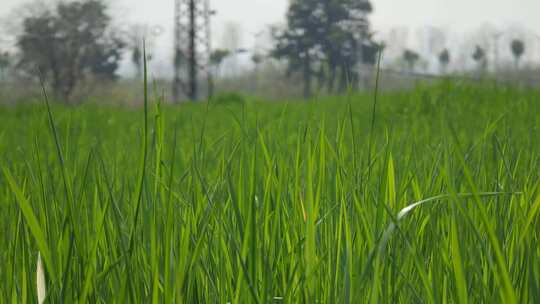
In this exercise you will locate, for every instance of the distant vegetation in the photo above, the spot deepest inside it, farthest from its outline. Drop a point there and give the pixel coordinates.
(69, 44)
(322, 48)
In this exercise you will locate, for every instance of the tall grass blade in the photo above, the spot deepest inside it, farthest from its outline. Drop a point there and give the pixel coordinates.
(33, 224)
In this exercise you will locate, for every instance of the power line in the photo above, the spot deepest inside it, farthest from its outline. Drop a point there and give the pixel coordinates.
(192, 47)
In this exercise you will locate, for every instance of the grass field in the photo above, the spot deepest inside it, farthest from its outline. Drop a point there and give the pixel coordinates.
(276, 202)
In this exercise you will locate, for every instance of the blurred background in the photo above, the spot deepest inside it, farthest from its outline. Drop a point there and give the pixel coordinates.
(91, 50)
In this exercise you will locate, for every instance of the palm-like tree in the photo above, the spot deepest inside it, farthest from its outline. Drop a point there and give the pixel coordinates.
(216, 58)
(411, 57)
(4, 63)
(518, 48)
(444, 60)
(257, 59)
(479, 56)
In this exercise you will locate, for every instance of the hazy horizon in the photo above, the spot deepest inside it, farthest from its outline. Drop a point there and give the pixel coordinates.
(252, 16)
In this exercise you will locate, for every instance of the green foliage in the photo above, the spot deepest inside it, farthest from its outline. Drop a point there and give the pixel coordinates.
(322, 34)
(411, 57)
(276, 202)
(4, 64)
(229, 98)
(479, 56)
(444, 57)
(257, 59)
(4, 60)
(217, 56)
(518, 48)
(70, 43)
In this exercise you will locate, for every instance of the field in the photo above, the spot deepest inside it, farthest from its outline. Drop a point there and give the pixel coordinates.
(286, 202)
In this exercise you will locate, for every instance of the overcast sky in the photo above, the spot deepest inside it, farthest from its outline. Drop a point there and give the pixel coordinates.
(252, 15)
(255, 15)
(457, 15)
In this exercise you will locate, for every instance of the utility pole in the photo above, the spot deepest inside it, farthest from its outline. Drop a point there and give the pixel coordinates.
(192, 47)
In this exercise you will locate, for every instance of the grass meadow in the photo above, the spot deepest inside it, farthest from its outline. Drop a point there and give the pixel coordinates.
(424, 196)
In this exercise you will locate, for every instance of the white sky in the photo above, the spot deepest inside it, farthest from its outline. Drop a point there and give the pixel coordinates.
(254, 15)
(457, 15)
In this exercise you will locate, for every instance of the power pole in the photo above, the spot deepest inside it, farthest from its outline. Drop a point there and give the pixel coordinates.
(192, 47)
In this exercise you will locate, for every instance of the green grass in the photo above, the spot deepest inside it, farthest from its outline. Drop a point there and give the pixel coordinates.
(276, 202)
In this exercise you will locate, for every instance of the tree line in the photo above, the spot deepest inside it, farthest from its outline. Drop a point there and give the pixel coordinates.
(325, 41)
(479, 55)
(328, 43)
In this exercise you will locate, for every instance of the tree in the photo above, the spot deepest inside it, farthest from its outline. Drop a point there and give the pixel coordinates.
(479, 56)
(257, 59)
(518, 48)
(300, 43)
(323, 37)
(216, 59)
(444, 60)
(69, 44)
(4, 64)
(347, 41)
(411, 58)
